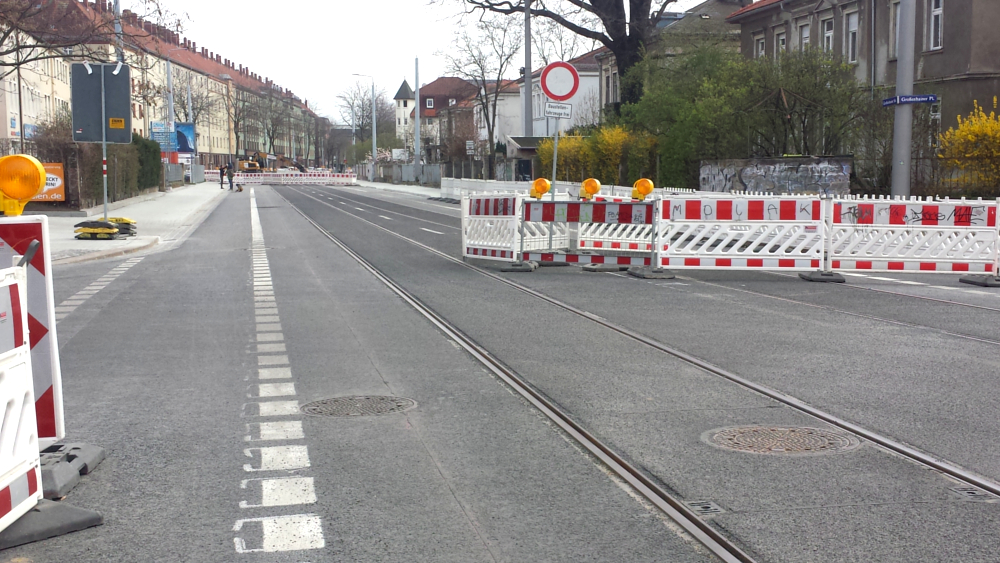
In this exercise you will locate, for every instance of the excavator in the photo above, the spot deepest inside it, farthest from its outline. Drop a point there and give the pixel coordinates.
(284, 162)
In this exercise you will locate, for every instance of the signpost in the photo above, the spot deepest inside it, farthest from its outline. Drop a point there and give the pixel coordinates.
(559, 82)
(102, 109)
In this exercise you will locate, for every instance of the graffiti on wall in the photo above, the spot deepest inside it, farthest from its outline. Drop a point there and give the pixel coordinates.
(791, 175)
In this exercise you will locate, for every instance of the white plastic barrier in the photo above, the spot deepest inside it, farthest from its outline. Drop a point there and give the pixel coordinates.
(291, 178)
(742, 233)
(462, 187)
(903, 235)
(20, 477)
(490, 226)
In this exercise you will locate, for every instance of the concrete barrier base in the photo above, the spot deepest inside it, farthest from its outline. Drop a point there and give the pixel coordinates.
(48, 519)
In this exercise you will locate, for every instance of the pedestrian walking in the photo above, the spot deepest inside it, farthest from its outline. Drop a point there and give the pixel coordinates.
(230, 174)
(222, 177)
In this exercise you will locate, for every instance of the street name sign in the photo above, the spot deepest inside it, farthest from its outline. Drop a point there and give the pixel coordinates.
(561, 111)
(924, 99)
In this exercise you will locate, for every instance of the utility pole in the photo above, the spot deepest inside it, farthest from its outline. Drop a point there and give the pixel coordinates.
(902, 132)
(526, 101)
(416, 102)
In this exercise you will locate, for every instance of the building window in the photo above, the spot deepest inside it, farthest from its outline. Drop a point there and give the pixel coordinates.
(430, 103)
(607, 89)
(803, 37)
(614, 84)
(404, 122)
(936, 21)
(779, 43)
(894, 30)
(398, 121)
(451, 101)
(404, 103)
(851, 45)
(828, 35)
(758, 47)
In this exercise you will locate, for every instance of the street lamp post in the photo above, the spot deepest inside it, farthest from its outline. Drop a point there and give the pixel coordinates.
(374, 143)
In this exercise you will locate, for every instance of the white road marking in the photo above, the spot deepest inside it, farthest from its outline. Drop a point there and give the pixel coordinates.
(277, 408)
(287, 491)
(278, 458)
(262, 292)
(274, 373)
(275, 390)
(430, 231)
(386, 218)
(359, 209)
(267, 319)
(855, 275)
(943, 287)
(908, 282)
(73, 302)
(65, 309)
(268, 327)
(270, 337)
(271, 348)
(280, 430)
(272, 360)
(880, 279)
(284, 533)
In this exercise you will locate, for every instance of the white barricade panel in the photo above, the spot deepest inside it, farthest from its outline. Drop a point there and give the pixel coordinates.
(489, 227)
(16, 233)
(740, 232)
(19, 462)
(899, 235)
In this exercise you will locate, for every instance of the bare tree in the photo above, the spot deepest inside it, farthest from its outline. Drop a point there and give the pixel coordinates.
(552, 42)
(358, 99)
(239, 109)
(272, 114)
(629, 26)
(588, 110)
(483, 57)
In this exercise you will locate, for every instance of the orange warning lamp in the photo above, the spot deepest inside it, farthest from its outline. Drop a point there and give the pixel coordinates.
(540, 187)
(590, 188)
(21, 178)
(642, 188)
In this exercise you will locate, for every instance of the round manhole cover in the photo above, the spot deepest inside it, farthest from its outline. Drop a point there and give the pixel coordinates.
(358, 406)
(785, 440)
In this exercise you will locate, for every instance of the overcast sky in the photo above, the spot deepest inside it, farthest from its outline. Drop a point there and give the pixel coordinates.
(313, 46)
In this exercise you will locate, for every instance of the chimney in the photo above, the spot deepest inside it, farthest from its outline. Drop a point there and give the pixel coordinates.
(218, 59)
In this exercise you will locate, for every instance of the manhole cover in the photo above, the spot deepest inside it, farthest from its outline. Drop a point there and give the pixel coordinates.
(358, 406)
(787, 440)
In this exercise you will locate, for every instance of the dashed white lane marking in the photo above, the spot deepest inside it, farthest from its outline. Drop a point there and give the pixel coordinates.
(430, 231)
(908, 282)
(280, 430)
(274, 533)
(274, 373)
(275, 390)
(277, 458)
(284, 491)
(69, 305)
(284, 533)
(386, 218)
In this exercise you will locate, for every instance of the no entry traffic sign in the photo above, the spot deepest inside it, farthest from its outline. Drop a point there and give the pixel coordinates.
(560, 81)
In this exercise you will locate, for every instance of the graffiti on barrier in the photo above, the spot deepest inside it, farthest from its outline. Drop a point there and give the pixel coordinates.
(792, 175)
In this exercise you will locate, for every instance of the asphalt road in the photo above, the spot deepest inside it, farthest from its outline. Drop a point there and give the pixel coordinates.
(190, 365)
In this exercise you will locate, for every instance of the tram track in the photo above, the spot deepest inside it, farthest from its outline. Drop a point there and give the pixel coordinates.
(911, 453)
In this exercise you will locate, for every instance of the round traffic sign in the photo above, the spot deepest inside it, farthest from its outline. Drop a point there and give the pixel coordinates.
(560, 81)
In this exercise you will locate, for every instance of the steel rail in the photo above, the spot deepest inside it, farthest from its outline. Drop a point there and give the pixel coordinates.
(899, 448)
(676, 510)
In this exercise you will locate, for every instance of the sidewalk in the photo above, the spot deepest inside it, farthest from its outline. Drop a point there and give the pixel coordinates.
(163, 217)
(404, 188)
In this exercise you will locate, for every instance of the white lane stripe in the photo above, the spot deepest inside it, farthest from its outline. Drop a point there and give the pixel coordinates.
(274, 373)
(284, 533)
(271, 348)
(276, 408)
(270, 337)
(880, 279)
(386, 218)
(278, 458)
(267, 318)
(280, 430)
(359, 209)
(430, 231)
(272, 360)
(855, 275)
(287, 491)
(275, 390)
(908, 282)
(73, 302)
(268, 327)
(65, 309)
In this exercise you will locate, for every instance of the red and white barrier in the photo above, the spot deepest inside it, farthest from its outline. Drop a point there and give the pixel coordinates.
(742, 231)
(290, 178)
(16, 233)
(19, 448)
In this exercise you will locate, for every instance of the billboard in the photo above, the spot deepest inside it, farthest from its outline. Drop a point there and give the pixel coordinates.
(185, 137)
(55, 183)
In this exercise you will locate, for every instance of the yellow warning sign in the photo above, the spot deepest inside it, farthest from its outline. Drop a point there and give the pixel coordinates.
(116, 123)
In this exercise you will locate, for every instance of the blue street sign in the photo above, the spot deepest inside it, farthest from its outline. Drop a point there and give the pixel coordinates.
(924, 99)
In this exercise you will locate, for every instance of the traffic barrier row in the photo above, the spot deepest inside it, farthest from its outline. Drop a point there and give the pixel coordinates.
(739, 231)
(19, 452)
(465, 187)
(290, 178)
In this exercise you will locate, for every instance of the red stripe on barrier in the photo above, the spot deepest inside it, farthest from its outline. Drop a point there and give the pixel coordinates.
(785, 263)
(548, 212)
(5, 504)
(929, 216)
(928, 266)
(15, 306)
(573, 213)
(897, 214)
(897, 265)
(615, 245)
(633, 246)
(814, 264)
(665, 204)
(817, 213)
(863, 265)
(755, 210)
(724, 210)
(959, 267)
(45, 411)
(692, 210)
(624, 214)
(786, 210)
(598, 213)
(624, 260)
(723, 262)
(32, 482)
(755, 263)
(836, 263)
(963, 216)
(598, 244)
(991, 217)
(866, 214)
(692, 262)
(836, 213)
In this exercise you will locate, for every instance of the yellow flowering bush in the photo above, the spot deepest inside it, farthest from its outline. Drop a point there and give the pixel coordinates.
(600, 155)
(974, 146)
